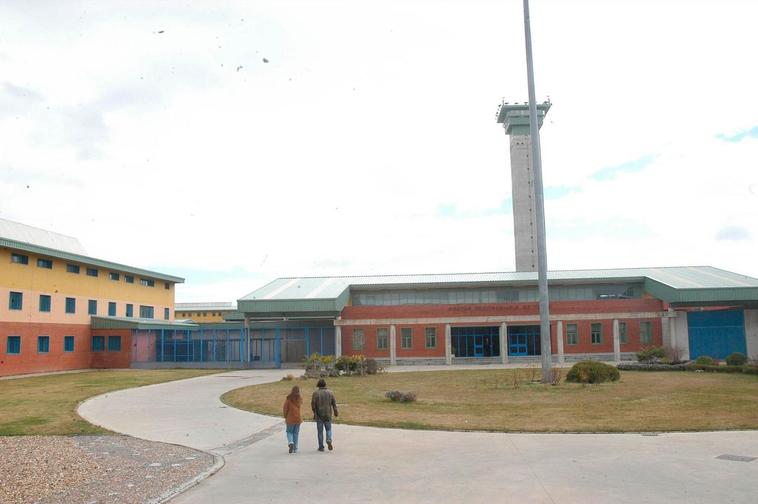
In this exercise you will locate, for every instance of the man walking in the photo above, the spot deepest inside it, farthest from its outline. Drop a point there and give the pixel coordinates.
(322, 404)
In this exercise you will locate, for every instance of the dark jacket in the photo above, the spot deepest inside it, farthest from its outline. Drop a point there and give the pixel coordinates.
(322, 404)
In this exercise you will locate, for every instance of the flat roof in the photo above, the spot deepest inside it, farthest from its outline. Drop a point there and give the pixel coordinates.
(219, 306)
(672, 284)
(98, 322)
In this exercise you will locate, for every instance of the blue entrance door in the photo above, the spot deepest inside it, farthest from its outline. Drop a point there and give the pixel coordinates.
(523, 340)
(716, 333)
(478, 346)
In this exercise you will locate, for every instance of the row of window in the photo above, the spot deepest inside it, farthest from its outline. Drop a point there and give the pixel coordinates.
(16, 302)
(406, 338)
(596, 333)
(430, 335)
(495, 295)
(93, 272)
(13, 344)
(200, 314)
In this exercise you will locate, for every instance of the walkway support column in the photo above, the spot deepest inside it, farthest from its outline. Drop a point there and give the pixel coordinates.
(559, 340)
(671, 325)
(504, 343)
(393, 345)
(337, 341)
(448, 345)
(616, 341)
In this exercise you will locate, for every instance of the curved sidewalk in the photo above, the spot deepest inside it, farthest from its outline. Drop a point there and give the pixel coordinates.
(394, 465)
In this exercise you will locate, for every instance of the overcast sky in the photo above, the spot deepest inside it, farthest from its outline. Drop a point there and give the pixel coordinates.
(233, 143)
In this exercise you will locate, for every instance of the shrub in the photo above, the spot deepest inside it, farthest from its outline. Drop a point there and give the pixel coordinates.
(650, 366)
(704, 360)
(736, 359)
(592, 372)
(373, 367)
(651, 354)
(319, 366)
(753, 370)
(397, 396)
(714, 368)
(289, 377)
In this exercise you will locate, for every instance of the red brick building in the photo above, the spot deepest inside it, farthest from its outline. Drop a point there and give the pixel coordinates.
(494, 317)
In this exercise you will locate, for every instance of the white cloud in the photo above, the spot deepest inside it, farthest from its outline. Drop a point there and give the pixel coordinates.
(337, 154)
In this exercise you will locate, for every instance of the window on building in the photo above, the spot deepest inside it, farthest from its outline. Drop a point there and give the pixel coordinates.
(16, 301)
(146, 311)
(358, 341)
(13, 345)
(646, 332)
(128, 279)
(166, 285)
(70, 305)
(382, 338)
(92, 272)
(19, 258)
(98, 343)
(111, 308)
(114, 276)
(45, 303)
(406, 337)
(430, 334)
(114, 343)
(43, 344)
(72, 268)
(45, 263)
(68, 343)
(92, 307)
(147, 282)
(166, 314)
(572, 334)
(596, 332)
(129, 310)
(623, 335)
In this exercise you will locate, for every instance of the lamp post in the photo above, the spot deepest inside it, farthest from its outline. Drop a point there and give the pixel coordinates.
(534, 131)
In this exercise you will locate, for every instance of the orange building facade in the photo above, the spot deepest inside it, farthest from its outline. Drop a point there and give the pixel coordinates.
(50, 291)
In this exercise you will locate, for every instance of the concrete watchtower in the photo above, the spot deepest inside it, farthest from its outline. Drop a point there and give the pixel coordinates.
(515, 119)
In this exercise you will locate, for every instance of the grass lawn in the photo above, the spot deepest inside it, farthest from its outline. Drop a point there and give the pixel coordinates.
(488, 400)
(45, 405)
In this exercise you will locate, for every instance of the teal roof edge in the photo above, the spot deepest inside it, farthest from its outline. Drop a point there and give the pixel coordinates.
(68, 256)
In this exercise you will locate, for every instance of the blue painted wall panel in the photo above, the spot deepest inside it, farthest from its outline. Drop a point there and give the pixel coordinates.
(716, 333)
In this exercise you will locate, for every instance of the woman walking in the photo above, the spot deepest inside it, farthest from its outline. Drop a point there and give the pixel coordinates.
(293, 417)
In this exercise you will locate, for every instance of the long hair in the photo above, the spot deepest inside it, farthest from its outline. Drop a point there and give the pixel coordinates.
(295, 396)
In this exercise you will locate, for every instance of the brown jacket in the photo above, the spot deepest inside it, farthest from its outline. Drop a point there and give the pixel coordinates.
(292, 411)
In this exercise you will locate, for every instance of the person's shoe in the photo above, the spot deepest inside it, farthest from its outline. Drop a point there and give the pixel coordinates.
(292, 447)
(320, 448)
(329, 444)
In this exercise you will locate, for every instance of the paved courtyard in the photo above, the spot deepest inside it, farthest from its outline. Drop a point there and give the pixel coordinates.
(384, 465)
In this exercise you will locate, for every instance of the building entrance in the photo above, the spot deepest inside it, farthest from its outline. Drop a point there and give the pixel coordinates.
(523, 340)
(478, 342)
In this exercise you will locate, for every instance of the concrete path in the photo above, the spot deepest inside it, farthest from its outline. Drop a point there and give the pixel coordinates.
(393, 465)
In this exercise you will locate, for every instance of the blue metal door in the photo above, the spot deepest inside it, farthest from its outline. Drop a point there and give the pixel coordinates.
(523, 340)
(478, 346)
(716, 333)
(517, 344)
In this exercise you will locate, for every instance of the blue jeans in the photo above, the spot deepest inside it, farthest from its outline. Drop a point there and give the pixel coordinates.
(293, 431)
(320, 426)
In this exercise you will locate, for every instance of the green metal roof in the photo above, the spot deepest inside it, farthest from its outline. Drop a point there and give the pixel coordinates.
(681, 284)
(72, 257)
(98, 322)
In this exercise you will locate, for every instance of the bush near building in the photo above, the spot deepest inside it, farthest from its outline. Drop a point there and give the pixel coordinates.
(592, 372)
(736, 359)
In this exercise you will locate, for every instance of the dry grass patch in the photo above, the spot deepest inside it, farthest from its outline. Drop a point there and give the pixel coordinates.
(46, 405)
(488, 400)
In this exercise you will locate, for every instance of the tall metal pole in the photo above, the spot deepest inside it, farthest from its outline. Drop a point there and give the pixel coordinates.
(547, 355)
